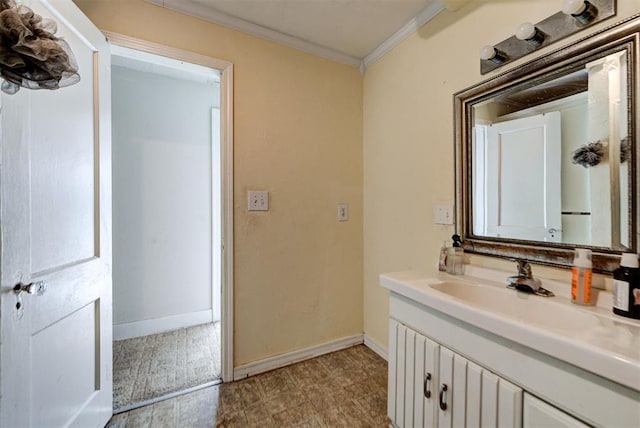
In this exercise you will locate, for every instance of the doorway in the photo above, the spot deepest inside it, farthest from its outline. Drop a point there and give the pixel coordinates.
(171, 143)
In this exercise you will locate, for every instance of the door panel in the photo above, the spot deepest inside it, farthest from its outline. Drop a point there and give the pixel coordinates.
(74, 375)
(419, 381)
(393, 371)
(55, 202)
(400, 380)
(409, 377)
(537, 413)
(523, 167)
(489, 411)
(459, 391)
(63, 197)
(509, 405)
(474, 394)
(445, 381)
(431, 365)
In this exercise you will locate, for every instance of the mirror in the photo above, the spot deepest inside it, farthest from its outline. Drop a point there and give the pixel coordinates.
(546, 154)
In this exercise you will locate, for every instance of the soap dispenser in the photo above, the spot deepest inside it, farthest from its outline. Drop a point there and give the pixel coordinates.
(455, 257)
(442, 261)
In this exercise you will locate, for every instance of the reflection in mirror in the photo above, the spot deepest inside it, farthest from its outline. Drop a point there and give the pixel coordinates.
(550, 162)
(547, 157)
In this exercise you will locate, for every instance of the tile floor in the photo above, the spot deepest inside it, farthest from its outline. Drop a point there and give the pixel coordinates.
(152, 366)
(347, 388)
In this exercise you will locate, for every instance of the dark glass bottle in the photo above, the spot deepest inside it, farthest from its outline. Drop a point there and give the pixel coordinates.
(626, 287)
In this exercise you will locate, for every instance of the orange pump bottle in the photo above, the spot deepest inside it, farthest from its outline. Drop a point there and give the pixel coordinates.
(581, 277)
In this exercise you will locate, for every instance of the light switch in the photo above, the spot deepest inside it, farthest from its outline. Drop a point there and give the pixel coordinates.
(443, 214)
(258, 201)
(343, 212)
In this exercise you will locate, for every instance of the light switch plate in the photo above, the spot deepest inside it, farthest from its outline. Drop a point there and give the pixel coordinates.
(343, 212)
(443, 214)
(258, 201)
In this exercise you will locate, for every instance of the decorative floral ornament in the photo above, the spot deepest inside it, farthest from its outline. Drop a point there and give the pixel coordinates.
(31, 56)
(589, 154)
(625, 150)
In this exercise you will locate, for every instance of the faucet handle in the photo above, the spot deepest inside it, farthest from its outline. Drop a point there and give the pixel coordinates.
(524, 268)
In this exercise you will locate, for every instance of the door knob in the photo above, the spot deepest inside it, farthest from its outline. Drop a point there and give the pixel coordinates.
(38, 288)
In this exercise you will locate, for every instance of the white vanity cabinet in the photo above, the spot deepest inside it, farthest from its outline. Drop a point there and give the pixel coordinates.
(451, 369)
(432, 386)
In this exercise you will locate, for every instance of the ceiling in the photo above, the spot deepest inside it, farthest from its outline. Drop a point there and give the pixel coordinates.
(355, 32)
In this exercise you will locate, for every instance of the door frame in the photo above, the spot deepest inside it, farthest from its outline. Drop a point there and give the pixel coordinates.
(226, 176)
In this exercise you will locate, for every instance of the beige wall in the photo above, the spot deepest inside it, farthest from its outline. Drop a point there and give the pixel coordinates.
(409, 141)
(298, 135)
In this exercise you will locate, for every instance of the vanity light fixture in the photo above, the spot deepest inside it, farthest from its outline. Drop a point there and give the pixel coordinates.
(530, 34)
(492, 54)
(583, 11)
(572, 17)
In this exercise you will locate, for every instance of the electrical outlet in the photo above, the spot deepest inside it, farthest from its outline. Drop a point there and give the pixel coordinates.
(343, 212)
(443, 214)
(258, 201)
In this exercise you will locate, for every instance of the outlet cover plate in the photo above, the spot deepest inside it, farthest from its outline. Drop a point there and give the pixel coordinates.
(258, 201)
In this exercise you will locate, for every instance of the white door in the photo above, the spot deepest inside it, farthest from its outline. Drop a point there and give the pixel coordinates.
(55, 202)
(523, 161)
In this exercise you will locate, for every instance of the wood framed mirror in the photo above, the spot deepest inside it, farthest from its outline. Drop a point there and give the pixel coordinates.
(547, 154)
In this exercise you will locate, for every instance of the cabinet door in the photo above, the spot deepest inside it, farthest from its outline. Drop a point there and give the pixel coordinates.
(509, 404)
(425, 377)
(452, 389)
(537, 413)
(474, 395)
(393, 370)
(413, 364)
(401, 374)
(445, 392)
(411, 386)
(471, 396)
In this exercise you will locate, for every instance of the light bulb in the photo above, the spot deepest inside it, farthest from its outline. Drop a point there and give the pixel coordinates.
(583, 11)
(573, 7)
(492, 54)
(529, 33)
(487, 52)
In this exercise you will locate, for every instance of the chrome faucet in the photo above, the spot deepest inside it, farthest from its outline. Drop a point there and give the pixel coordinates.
(524, 281)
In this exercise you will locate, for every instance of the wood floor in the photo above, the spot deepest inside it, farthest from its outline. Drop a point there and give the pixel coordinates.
(347, 388)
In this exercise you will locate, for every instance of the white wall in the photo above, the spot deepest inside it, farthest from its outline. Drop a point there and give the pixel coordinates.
(297, 133)
(162, 216)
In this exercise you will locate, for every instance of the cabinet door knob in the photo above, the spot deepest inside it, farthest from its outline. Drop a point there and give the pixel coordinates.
(443, 397)
(427, 379)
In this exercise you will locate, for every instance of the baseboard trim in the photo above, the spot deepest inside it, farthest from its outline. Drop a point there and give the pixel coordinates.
(282, 360)
(168, 396)
(160, 325)
(376, 347)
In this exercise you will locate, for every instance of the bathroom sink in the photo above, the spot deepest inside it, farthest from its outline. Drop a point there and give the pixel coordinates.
(524, 307)
(592, 338)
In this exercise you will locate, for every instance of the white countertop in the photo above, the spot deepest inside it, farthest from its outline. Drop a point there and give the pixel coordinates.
(607, 345)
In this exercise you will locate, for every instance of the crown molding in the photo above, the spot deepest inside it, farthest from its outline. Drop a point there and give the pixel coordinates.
(199, 11)
(427, 14)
